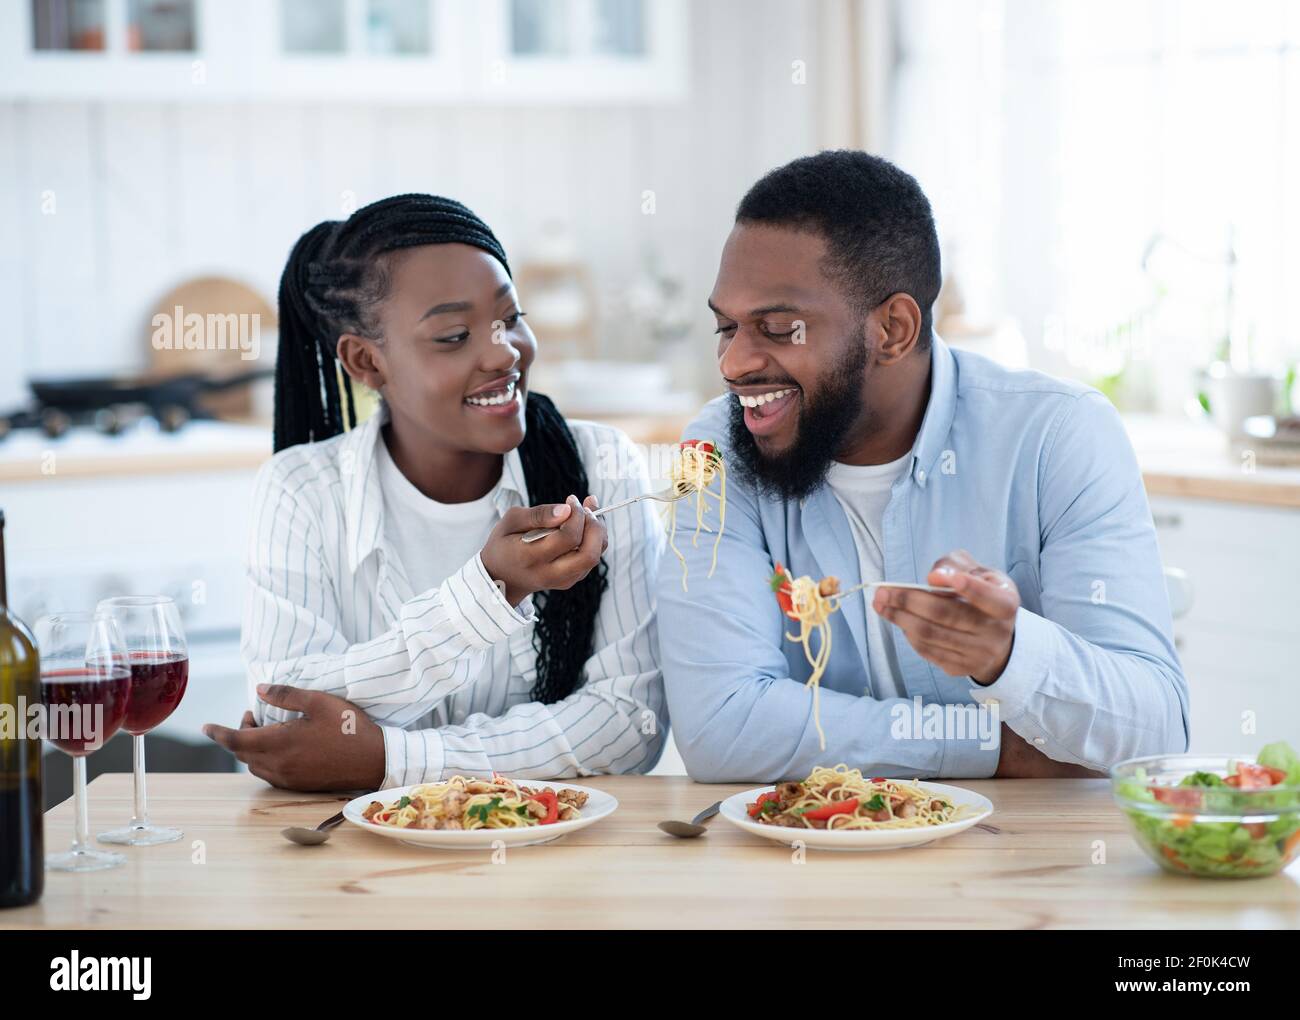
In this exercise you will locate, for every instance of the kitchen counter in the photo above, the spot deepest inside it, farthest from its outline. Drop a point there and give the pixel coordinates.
(28, 455)
(1194, 460)
(1035, 863)
(1178, 457)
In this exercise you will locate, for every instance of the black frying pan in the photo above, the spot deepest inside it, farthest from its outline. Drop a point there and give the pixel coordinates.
(94, 394)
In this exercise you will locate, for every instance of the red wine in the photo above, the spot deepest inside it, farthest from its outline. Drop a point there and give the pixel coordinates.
(157, 685)
(87, 693)
(22, 851)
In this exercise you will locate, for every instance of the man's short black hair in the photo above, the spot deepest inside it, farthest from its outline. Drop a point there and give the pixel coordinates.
(875, 218)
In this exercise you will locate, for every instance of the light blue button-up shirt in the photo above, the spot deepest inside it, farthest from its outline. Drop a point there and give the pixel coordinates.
(1031, 475)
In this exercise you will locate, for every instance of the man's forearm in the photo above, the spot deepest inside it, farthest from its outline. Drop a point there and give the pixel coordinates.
(1018, 759)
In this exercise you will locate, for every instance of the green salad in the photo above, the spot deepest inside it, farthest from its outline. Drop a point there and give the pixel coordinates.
(1244, 823)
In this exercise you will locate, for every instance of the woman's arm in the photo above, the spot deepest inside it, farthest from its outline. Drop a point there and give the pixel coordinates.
(292, 628)
(616, 722)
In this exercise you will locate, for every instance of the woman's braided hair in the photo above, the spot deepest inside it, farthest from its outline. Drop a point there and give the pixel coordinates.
(336, 276)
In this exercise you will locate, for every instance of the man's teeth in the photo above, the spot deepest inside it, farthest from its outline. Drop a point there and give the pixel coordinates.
(758, 400)
(499, 397)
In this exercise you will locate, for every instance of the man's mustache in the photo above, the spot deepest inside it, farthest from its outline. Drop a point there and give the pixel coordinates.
(759, 382)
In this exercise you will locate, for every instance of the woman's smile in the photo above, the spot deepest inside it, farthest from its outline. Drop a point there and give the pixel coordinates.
(499, 397)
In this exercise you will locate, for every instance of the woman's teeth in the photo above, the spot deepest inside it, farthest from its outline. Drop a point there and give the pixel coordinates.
(495, 397)
(760, 399)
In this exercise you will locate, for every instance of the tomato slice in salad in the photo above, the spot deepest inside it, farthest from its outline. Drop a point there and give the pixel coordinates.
(1254, 777)
(1178, 796)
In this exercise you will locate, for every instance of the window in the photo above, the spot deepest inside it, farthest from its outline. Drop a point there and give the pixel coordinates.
(313, 26)
(558, 28)
(397, 27)
(68, 24)
(160, 26)
(1124, 177)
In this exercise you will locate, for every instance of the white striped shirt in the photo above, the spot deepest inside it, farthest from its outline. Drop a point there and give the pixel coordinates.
(328, 607)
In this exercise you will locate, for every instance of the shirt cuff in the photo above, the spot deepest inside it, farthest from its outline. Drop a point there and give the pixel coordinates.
(478, 609)
(1025, 671)
(412, 756)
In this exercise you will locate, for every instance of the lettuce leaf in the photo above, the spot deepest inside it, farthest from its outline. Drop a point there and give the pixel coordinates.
(1280, 756)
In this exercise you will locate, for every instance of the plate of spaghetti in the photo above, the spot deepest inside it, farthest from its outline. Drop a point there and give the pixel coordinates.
(840, 809)
(465, 812)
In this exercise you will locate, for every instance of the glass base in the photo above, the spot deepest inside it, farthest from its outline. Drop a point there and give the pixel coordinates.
(141, 835)
(83, 860)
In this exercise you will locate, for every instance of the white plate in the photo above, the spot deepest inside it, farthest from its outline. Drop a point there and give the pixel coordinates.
(599, 805)
(734, 811)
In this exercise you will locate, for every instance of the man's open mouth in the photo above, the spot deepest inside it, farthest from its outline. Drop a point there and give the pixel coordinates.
(765, 410)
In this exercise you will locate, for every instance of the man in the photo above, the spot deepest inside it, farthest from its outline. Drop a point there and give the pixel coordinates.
(860, 446)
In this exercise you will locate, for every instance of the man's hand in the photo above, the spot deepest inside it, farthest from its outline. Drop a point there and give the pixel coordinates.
(334, 746)
(967, 636)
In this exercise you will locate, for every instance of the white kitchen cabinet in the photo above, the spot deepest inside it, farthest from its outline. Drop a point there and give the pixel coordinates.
(516, 52)
(1240, 642)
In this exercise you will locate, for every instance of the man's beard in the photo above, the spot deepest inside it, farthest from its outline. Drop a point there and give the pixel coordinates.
(823, 426)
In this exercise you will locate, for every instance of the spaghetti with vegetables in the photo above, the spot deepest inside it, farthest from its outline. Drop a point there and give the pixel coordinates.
(468, 803)
(810, 603)
(696, 464)
(840, 798)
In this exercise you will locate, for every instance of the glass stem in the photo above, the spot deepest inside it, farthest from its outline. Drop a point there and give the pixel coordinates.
(140, 819)
(82, 833)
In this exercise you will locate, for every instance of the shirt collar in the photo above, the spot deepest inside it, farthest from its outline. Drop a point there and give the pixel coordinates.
(932, 439)
(364, 499)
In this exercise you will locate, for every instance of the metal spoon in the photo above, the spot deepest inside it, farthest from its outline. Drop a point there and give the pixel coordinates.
(312, 837)
(693, 828)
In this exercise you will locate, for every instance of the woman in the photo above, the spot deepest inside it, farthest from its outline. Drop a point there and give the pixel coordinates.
(396, 627)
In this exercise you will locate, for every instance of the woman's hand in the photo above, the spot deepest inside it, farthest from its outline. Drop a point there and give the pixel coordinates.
(334, 746)
(558, 561)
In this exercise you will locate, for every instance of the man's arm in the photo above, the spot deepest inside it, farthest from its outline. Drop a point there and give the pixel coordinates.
(736, 713)
(1093, 677)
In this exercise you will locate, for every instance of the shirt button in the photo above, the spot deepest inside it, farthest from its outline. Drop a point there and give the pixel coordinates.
(992, 702)
(1039, 741)
(920, 476)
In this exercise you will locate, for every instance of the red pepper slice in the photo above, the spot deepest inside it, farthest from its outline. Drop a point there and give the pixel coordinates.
(839, 807)
(703, 445)
(763, 798)
(779, 582)
(549, 801)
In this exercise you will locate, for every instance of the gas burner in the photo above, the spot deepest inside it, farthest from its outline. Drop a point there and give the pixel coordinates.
(114, 420)
(111, 406)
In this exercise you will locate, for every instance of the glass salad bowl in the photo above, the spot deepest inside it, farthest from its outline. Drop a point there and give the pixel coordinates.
(1215, 816)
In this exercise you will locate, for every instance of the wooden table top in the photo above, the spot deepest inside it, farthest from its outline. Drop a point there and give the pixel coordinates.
(1031, 865)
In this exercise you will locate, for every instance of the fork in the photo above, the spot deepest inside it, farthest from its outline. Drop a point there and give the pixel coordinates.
(667, 496)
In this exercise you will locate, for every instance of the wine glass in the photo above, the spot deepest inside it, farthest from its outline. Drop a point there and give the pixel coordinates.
(85, 683)
(160, 669)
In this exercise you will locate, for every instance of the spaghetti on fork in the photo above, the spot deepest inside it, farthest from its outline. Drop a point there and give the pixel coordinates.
(696, 464)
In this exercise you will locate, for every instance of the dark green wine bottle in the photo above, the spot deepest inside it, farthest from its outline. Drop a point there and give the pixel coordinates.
(22, 854)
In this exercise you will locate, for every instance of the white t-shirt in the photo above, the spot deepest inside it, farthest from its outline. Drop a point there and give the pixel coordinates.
(863, 492)
(433, 540)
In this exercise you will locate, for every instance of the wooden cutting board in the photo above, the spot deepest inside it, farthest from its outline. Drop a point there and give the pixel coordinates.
(216, 296)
